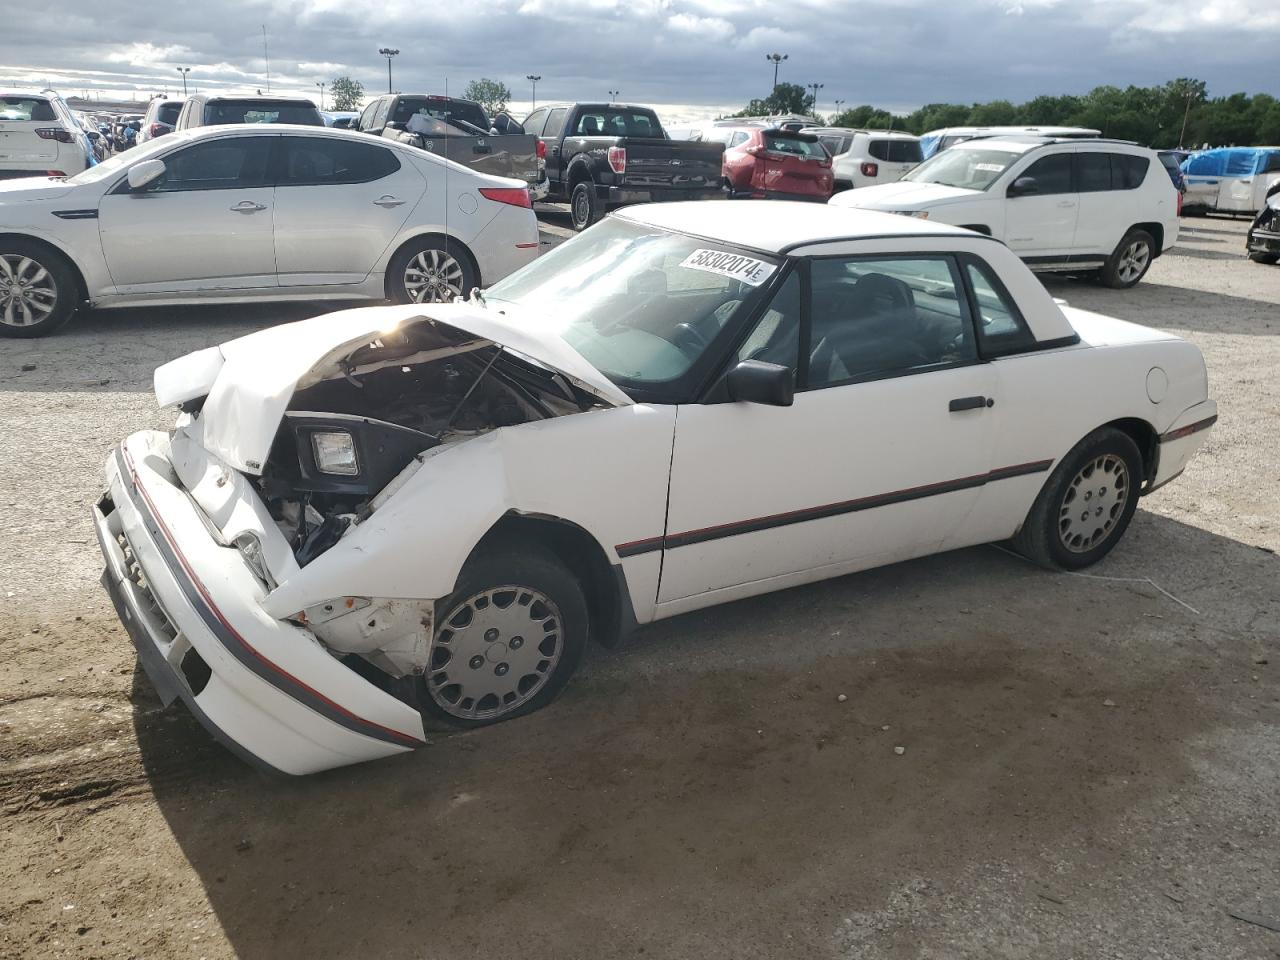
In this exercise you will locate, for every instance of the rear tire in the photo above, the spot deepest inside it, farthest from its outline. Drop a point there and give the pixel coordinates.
(430, 270)
(38, 289)
(1130, 260)
(1086, 504)
(493, 660)
(1267, 258)
(584, 207)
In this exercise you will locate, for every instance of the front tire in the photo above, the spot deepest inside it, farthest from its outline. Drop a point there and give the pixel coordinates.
(507, 639)
(584, 207)
(1086, 505)
(38, 289)
(1129, 261)
(430, 270)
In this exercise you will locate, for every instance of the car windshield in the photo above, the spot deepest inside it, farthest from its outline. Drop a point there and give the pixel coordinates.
(639, 303)
(967, 169)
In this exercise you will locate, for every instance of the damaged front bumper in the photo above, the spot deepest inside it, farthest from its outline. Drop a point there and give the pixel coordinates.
(266, 688)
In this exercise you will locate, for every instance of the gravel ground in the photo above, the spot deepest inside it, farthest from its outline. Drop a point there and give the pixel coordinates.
(1089, 765)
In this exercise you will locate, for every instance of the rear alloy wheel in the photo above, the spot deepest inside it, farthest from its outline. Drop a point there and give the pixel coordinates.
(1086, 504)
(430, 271)
(37, 290)
(584, 208)
(1130, 261)
(507, 640)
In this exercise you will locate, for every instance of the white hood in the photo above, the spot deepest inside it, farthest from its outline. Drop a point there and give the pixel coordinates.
(250, 381)
(903, 195)
(33, 188)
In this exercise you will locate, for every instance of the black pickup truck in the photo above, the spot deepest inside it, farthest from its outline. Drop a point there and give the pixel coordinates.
(601, 155)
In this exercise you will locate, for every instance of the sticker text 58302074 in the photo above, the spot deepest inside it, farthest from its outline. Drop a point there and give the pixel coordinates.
(733, 265)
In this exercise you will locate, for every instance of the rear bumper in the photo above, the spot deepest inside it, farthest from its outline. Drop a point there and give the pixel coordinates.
(750, 194)
(617, 195)
(265, 688)
(1177, 445)
(1264, 241)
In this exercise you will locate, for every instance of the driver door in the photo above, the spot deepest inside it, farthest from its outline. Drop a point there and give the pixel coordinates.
(1042, 225)
(880, 457)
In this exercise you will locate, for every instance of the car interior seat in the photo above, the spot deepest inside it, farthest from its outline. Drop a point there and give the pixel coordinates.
(43, 112)
(590, 127)
(871, 326)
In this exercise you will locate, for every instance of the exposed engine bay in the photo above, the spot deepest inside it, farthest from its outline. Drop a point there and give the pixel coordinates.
(366, 414)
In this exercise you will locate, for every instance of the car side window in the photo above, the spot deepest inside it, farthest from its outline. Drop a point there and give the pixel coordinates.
(315, 160)
(776, 335)
(1128, 172)
(555, 123)
(380, 114)
(1093, 172)
(876, 318)
(366, 116)
(534, 121)
(739, 138)
(225, 164)
(1001, 327)
(1052, 174)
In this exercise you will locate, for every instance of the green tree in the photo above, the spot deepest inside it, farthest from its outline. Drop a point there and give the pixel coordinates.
(347, 93)
(996, 113)
(490, 94)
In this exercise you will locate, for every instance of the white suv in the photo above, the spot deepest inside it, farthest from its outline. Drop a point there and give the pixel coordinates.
(864, 158)
(39, 137)
(1061, 205)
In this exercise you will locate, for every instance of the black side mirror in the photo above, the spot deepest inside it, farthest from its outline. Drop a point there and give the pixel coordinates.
(1024, 186)
(754, 381)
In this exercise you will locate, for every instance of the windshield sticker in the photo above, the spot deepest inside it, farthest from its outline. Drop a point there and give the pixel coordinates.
(731, 265)
(989, 167)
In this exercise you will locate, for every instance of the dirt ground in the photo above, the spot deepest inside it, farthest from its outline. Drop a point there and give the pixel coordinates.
(1091, 765)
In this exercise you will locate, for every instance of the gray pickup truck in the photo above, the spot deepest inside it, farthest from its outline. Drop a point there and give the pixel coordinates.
(456, 129)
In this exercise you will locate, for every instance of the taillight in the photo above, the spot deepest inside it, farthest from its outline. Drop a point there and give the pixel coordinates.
(158, 130)
(870, 169)
(516, 196)
(1179, 203)
(618, 159)
(756, 151)
(542, 150)
(54, 173)
(55, 133)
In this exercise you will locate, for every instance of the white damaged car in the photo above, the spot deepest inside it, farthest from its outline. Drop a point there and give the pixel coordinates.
(392, 516)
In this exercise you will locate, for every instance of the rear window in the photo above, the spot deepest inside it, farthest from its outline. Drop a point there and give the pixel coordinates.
(261, 111)
(169, 113)
(794, 146)
(605, 122)
(26, 108)
(1128, 172)
(896, 151)
(441, 108)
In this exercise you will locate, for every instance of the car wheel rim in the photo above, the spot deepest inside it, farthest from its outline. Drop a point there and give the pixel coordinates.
(433, 276)
(495, 651)
(1094, 503)
(581, 208)
(1133, 261)
(28, 293)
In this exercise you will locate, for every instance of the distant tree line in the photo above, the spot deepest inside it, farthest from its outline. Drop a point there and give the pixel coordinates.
(1149, 115)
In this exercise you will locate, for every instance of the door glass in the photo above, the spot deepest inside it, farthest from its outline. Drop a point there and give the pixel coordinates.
(311, 160)
(1001, 328)
(1093, 172)
(555, 123)
(226, 164)
(533, 122)
(1052, 174)
(871, 319)
(1128, 172)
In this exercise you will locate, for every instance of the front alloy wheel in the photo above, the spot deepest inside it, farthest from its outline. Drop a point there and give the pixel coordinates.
(28, 291)
(1130, 260)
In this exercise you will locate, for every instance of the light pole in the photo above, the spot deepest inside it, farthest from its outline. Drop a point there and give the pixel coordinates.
(184, 71)
(839, 104)
(1185, 114)
(815, 87)
(613, 96)
(776, 58)
(388, 52)
(534, 81)
(320, 84)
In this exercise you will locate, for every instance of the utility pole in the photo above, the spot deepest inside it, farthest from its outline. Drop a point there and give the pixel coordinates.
(266, 57)
(184, 71)
(1185, 114)
(320, 84)
(388, 52)
(775, 58)
(534, 81)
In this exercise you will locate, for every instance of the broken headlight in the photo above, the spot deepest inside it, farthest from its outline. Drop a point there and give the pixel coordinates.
(250, 548)
(335, 453)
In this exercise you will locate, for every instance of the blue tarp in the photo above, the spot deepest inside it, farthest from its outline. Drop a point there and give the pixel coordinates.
(1231, 161)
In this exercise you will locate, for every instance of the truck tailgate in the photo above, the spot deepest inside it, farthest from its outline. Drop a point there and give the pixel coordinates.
(672, 164)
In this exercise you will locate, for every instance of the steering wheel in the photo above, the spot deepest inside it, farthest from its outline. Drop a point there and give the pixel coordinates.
(688, 337)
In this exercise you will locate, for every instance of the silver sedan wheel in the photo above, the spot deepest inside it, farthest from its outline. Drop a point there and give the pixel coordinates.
(1094, 503)
(28, 292)
(1133, 261)
(495, 652)
(433, 276)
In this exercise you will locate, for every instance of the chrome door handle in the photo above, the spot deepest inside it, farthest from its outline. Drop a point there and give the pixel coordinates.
(248, 206)
(1066, 203)
(387, 201)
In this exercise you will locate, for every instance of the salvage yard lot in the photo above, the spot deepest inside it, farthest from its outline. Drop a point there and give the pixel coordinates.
(1089, 768)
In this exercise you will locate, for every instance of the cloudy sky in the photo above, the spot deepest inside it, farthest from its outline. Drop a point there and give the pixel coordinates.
(694, 56)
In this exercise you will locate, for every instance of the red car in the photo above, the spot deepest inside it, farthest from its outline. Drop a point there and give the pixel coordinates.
(766, 162)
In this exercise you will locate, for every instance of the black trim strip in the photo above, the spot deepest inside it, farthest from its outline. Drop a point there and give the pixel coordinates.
(235, 644)
(690, 537)
(1188, 430)
(1069, 258)
(76, 214)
